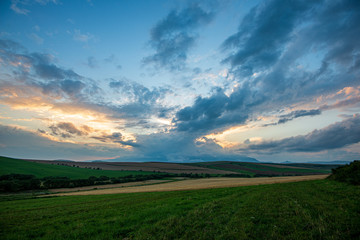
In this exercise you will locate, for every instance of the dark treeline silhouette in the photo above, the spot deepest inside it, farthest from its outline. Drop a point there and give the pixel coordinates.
(350, 173)
(21, 182)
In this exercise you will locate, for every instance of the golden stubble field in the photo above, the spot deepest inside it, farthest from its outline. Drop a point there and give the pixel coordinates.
(192, 184)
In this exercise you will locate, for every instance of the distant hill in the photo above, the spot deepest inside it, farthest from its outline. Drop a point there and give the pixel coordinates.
(332, 162)
(51, 168)
(320, 162)
(256, 169)
(189, 159)
(64, 160)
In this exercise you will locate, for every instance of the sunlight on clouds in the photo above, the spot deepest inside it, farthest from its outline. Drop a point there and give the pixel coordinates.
(46, 114)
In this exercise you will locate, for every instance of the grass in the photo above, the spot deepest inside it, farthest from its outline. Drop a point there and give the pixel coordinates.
(321, 209)
(11, 165)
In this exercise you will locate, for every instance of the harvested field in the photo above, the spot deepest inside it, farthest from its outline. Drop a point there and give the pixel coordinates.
(107, 186)
(139, 166)
(193, 184)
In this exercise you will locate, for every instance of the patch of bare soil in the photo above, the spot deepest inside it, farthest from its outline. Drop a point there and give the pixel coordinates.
(202, 183)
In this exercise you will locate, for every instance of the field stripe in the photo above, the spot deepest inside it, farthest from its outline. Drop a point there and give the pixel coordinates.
(193, 184)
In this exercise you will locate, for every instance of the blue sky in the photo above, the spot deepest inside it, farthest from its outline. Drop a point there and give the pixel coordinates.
(180, 80)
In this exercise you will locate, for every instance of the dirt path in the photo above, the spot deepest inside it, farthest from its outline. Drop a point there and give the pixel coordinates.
(193, 184)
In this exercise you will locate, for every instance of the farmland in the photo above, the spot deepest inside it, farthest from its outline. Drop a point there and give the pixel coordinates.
(214, 168)
(20, 175)
(320, 209)
(186, 184)
(268, 169)
(140, 166)
(11, 165)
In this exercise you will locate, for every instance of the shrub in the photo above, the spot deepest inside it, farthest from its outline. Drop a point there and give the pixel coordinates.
(349, 173)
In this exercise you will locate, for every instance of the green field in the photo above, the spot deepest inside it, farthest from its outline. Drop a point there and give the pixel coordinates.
(322, 209)
(40, 170)
(274, 169)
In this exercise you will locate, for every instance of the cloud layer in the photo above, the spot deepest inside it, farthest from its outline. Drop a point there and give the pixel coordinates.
(334, 136)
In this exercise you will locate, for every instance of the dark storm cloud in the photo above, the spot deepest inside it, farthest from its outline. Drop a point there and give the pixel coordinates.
(297, 114)
(275, 36)
(115, 137)
(66, 130)
(217, 111)
(182, 147)
(45, 69)
(263, 33)
(41, 64)
(173, 36)
(72, 87)
(334, 136)
(205, 113)
(38, 70)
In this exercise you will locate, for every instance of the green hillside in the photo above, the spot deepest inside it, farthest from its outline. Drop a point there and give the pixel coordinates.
(321, 209)
(11, 165)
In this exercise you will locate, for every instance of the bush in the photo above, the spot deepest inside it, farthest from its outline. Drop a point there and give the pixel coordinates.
(349, 173)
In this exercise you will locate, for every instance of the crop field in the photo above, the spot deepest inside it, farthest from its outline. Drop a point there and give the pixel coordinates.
(219, 168)
(10, 165)
(142, 166)
(252, 169)
(109, 186)
(187, 184)
(319, 209)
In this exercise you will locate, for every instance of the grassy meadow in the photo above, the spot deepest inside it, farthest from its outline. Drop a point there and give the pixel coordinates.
(321, 209)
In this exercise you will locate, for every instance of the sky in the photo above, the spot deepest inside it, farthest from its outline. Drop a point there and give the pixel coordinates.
(180, 81)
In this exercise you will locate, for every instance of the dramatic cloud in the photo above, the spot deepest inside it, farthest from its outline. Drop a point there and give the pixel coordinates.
(182, 147)
(173, 36)
(138, 100)
(297, 114)
(270, 37)
(334, 136)
(39, 64)
(67, 130)
(274, 61)
(116, 137)
(208, 114)
(263, 33)
(33, 145)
